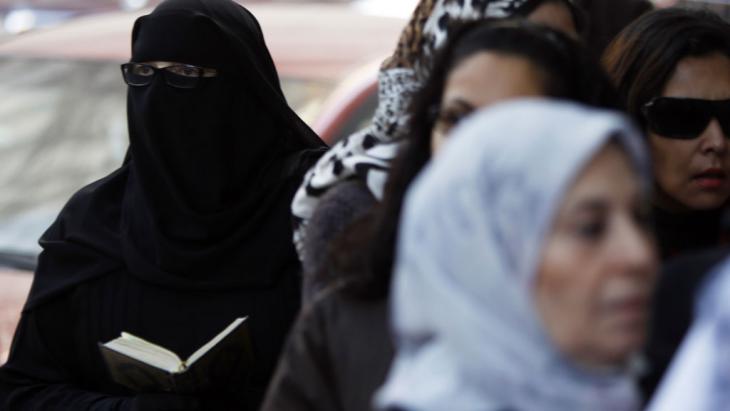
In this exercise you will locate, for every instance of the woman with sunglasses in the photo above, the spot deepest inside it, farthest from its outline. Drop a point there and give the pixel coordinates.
(189, 234)
(672, 67)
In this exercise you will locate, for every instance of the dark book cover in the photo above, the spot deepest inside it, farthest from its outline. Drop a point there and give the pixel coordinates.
(228, 363)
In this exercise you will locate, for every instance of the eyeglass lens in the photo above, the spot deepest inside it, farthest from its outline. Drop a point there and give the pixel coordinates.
(179, 76)
(686, 118)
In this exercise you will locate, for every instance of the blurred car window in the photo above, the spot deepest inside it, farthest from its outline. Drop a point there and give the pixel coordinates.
(57, 118)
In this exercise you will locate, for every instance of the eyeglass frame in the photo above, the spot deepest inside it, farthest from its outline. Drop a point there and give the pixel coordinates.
(201, 72)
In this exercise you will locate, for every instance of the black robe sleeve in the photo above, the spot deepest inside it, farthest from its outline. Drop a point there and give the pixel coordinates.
(36, 379)
(337, 356)
(304, 380)
(337, 209)
(55, 362)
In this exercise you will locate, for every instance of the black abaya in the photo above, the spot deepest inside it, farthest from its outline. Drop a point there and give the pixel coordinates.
(678, 234)
(55, 362)
(190, 233)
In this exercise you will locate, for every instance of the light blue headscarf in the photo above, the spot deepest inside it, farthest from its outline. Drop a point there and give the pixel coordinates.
(468, 335)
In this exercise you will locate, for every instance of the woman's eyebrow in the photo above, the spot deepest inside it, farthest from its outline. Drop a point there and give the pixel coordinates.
(458, 102)
(590, 205)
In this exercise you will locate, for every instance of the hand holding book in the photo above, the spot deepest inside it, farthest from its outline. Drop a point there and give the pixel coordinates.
(145, 367)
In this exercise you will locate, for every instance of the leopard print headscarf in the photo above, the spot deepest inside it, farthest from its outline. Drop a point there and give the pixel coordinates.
(367, 154)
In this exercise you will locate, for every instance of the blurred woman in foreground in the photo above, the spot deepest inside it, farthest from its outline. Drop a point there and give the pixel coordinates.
(342, 339)
(525, 266)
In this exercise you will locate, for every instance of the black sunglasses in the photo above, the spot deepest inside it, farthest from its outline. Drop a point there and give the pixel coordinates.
(177, 75)
(685, 118)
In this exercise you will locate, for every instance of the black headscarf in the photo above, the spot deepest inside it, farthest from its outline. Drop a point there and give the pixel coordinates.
(202, 198)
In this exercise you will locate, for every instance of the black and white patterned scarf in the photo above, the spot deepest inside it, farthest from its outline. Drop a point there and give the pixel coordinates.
(367, 154)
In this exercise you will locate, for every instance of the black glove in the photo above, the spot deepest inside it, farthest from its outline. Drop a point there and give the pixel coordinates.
(161, 402)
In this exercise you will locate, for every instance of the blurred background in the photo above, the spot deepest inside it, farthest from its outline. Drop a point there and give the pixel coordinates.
(63, 101)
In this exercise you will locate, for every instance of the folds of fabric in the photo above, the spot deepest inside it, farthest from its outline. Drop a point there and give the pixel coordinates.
(467, 332)
(366, 155)
(191, 232)
(203, 196)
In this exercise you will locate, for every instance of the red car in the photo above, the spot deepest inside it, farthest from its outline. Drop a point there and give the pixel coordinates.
(63, 111)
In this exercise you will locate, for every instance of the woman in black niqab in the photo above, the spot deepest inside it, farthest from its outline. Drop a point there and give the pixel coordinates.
(207, 163)
(190, 233)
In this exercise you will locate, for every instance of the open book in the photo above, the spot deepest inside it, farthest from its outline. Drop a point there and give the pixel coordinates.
(147, 367)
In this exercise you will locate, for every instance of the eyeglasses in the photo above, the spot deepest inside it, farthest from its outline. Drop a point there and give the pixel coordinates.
(685, 118)
(177, 75)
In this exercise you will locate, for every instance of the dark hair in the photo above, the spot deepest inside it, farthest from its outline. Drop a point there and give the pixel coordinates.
(642, 58)
(365, 251)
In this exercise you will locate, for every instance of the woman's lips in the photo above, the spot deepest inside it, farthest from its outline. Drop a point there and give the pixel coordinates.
(629, 311)
(710, 179)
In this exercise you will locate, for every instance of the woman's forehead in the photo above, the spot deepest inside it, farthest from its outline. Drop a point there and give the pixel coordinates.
(179, 37)
(608, 179)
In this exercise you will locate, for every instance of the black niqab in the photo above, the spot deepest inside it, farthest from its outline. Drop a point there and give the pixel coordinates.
(202, 199)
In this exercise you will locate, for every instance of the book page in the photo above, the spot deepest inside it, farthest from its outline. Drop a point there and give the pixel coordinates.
(212, 343)
(147, 352)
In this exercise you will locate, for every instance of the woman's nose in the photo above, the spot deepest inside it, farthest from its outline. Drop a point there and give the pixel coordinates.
(713, 139)
(636, 248)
